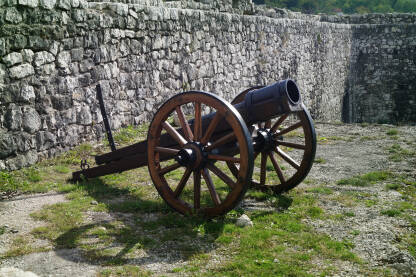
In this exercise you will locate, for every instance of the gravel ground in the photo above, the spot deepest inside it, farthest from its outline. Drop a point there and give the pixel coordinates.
(355, 150)
(347, 150)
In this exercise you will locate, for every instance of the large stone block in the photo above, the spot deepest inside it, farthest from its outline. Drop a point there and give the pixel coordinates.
(25, 142)
(13, 15)
(23, 160)
(31, 120)
(42, 58)
(13, 117)
(84, 116)
(27, 94)
(38, 43)
(45, 140)
(27, 55)
(47, 4)
(47, 69)
(29, 3)
(13, 59)
(63, 59)
(7, 144)
(65, 4)
(21, 71)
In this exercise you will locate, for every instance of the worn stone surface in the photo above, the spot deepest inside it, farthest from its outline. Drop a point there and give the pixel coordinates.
(12, 59)
(40, 58)
(15, 272)
(31, 120)
(21, 71)
(47, 4)
(53, 53)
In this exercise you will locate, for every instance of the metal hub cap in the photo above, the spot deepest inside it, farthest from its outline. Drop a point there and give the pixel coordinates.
(192, 155)
(264, 141)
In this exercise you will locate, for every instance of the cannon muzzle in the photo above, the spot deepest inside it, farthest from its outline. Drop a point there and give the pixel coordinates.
(269, 102)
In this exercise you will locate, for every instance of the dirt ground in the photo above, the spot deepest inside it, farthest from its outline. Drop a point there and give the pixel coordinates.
(344, 151)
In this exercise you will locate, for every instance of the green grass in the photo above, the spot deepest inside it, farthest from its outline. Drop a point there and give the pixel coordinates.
(368, 138)
(349, 214)
(392, 186)
(321, 190)
(20, 246)
(366, 179)
(131, 134)
(279, 242)
(392, 132)
(397, 153)
(33, 175)
(391, 212)
(281, 245)
(8, 182)
(320, 160)
(62, 169)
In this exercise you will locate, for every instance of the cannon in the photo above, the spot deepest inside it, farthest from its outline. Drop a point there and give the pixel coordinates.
(205, 165)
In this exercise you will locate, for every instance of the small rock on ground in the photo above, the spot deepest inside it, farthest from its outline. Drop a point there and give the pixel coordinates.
(244, 221)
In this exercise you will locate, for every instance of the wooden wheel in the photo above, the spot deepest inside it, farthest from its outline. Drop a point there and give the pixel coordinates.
(197, 148)
(284, 149)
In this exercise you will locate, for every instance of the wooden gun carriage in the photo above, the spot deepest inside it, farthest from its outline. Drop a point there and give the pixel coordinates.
(218, 147)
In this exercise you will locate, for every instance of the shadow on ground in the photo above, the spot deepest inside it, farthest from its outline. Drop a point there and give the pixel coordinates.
(133, 230)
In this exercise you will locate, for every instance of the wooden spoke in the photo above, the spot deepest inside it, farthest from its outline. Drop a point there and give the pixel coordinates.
(171, 151)
(182, 182)
(287, 158)
(169, 168)
(289, 129)
(277, 168)
(197, 189)
(223, 158)
(268, 124)
(174, 134)
(263, 168)
(234, 170)
(211, 128)
(278, 122)
(227, 138)
(221, 175)
(198, 122)
(291, 144)
(214, 195)
(184, 124)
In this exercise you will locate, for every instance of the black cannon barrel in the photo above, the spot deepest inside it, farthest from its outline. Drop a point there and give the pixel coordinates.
(269, 102)
(263, 104)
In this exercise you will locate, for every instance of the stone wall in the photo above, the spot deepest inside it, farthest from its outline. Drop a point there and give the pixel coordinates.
(382, 81)
(54, 52)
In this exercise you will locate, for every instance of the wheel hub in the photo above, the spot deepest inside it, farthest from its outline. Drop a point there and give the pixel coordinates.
(264, 141)
(191, 155)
